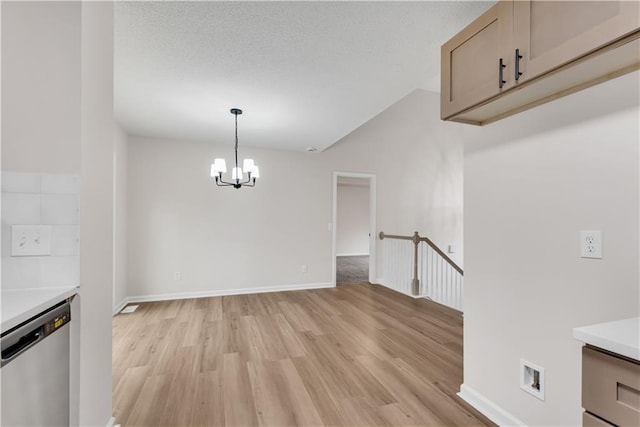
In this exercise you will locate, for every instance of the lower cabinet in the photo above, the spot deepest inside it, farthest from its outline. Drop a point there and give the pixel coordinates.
(589, 420)
(610, 389)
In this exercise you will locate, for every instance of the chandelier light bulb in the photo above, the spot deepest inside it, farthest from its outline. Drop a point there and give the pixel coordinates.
(218, 166)
(248, 165)
(236, 173)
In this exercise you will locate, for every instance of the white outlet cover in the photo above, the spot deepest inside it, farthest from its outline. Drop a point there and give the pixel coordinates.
(30, 240)
(591, 244)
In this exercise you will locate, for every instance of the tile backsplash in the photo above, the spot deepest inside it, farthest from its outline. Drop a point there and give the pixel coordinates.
(40, 199)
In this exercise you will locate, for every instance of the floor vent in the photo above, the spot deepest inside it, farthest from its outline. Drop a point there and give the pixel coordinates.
(129, 309)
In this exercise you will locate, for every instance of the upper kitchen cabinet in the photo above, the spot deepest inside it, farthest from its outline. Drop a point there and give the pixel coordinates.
(520, 54)
(549, 34)
(475, 62)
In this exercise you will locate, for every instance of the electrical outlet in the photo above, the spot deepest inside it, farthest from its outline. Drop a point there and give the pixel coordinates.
(304, 268)
(30, 240)
(177, 275)
(591, 244)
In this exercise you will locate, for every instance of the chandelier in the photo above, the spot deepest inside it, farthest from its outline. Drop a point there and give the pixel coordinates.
(219, 167)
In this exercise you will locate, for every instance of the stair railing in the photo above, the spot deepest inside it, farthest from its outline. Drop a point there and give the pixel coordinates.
(416, 239)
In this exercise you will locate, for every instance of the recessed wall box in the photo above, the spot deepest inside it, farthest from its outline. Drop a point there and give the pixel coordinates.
(532, 379)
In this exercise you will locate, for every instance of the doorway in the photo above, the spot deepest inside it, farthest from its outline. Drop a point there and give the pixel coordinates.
(353, 228)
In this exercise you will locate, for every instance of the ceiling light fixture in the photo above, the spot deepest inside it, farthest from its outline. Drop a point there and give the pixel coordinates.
(219, 167)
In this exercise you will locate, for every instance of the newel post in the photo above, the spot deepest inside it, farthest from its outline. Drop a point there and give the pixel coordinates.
(415, 283)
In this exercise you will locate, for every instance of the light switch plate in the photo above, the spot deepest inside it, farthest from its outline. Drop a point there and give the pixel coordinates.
(30, 240)
(591, 244)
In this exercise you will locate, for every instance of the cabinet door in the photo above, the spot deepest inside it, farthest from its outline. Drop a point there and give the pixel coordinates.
(611, 387)
(470, 61)
(549, 34)
(589, 420)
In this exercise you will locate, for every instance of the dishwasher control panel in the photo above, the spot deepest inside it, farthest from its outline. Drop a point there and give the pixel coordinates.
(53, 324)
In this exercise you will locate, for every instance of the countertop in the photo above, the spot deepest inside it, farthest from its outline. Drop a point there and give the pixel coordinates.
(19, 305)
(621, 337)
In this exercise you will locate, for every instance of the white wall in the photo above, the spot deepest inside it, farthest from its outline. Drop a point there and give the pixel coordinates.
(40, 87)
(352, 223)
(120, 216)
(48, 200)
(41, 136)
(221, 239)
(96, 219)
(532, 182)
(417, 160)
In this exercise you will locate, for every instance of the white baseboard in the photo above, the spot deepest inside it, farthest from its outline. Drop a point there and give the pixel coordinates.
(489, 409)
(352, 254)
(381, 283)
(224, 292)
(120, 306)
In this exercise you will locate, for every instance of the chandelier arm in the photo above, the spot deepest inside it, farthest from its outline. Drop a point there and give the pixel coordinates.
(222, 183)
(247, 181)
(234, 182)
(251, 182)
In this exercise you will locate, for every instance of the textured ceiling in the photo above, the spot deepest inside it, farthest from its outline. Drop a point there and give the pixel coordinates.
(305, 73)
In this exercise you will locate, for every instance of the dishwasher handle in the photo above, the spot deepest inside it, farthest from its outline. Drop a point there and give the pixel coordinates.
(24, 336)
(24, 343)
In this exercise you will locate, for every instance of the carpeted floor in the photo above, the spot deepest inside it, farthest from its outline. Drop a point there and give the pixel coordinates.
(352, 269)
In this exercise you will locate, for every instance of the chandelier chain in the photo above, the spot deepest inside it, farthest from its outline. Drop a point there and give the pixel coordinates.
(236, 140)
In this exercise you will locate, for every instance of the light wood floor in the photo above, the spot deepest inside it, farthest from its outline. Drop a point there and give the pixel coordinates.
(353, 355)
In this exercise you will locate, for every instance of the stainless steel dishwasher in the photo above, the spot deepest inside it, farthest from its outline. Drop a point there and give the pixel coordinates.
(35, 370)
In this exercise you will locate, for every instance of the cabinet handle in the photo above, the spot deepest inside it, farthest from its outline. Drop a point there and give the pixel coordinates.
(518, 58)
(501, 80)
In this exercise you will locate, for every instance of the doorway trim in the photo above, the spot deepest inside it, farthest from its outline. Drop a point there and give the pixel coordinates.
(372, 221)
